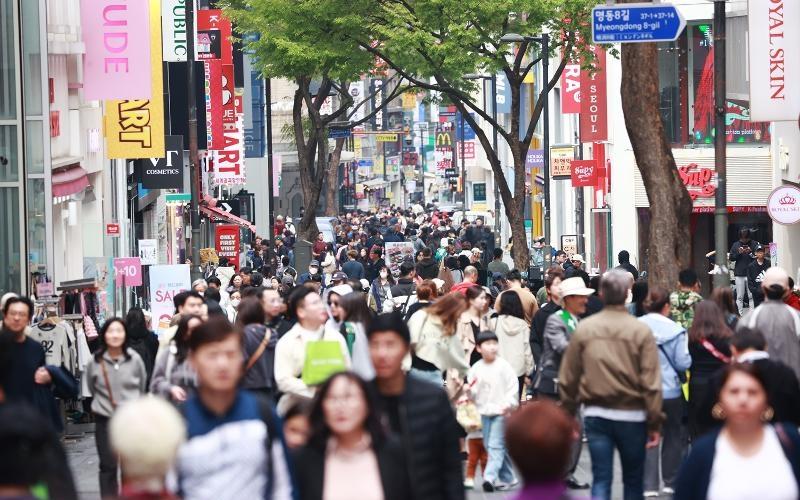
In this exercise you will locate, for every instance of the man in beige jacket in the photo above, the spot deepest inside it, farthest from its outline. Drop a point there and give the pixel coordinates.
(611, 367)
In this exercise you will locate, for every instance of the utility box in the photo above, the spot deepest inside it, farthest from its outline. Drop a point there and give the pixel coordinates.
(302, 256)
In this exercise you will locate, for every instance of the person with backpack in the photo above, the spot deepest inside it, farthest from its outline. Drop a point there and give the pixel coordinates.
(235, 446)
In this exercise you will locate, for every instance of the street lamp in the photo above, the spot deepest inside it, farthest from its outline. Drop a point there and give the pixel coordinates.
(544, 42)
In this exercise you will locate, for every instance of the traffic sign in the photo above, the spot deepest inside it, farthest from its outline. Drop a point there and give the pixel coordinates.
(338, 133)
(232, 206)
(631, 23)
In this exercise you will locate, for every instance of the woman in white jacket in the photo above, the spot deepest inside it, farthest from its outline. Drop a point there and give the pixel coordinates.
(513, 335)
(434, 344)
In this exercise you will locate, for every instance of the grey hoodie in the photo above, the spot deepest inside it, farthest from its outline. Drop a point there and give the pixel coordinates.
(127, 377)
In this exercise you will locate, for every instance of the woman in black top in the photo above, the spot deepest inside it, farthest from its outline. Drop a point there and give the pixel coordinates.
(709, 347)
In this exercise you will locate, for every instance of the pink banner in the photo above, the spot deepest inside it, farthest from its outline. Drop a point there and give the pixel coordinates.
(116, 34)
(128, 271)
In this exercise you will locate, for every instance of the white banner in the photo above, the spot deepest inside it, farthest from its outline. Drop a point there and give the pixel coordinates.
(165, 283)
(173, 30)
(774, 59)
(357, 93)
(148, 252)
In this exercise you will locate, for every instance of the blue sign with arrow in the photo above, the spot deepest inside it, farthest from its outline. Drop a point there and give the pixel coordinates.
(631, 23)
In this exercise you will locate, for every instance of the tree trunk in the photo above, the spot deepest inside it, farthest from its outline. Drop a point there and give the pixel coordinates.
(306, 153)
(670, 205)
(332, 179)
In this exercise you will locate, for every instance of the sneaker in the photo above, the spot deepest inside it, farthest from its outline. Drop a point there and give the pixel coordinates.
(488, 487)
(668, 491)
(651, 494)
(469, 483)
(507, 486)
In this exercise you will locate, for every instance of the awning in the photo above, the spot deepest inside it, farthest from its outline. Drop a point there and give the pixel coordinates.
(375, 183)
(70, 181)
(219, 214)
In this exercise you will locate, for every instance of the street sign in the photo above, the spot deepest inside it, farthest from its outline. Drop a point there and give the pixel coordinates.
(338, 133)
(232, 206)
(113, 229)
(631, 23)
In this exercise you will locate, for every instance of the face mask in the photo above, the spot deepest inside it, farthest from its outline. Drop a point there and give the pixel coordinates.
(235, 302)
(313, 270)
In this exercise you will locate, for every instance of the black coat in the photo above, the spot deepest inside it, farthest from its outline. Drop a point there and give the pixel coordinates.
(428, 269)
(430, 435)
(309, 467)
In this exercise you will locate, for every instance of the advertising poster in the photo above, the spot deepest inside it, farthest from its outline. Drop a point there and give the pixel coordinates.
(135, 127)
(166, 172)
(173, 30)
(396, 253)
(148, 252)
(117, 41)
(165, 283)
(212, 71)
(214, 36)
(226, 242)
(128, 272)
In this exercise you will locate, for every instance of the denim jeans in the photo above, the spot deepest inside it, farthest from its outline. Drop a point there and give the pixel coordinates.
(499, 465)
(741, 290)
(630, 439)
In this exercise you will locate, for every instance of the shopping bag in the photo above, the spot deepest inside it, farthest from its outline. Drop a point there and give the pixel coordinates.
(467, 415)
(323, 359)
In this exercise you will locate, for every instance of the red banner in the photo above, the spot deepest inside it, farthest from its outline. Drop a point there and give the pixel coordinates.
(228, 94)
(571, 89)
(214, 110)
(584, 173)
(214, 36)
(594, 107)
(227, 243)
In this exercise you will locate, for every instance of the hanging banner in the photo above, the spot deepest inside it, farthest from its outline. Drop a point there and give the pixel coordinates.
(135, 128)
(229, 168)
(213, 87)
(128, 272)
(774, 49)
(594, 112)
(277, 170)
(584, 173)
(117, 41)
(560, 158)
(228, 94)
(571, 89)
(173, 30)
(165, 172)
(226, 242)
(165, 283)
(357, 93)
(214, 37)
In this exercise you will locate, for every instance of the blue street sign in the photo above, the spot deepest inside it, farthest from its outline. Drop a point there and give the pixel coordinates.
(630, 23)
(365, 163)
(338, 133)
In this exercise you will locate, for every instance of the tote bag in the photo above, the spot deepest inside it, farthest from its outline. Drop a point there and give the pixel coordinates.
(323, 359)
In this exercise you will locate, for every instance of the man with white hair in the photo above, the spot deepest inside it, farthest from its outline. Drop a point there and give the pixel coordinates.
(779, 321)
(611, 367)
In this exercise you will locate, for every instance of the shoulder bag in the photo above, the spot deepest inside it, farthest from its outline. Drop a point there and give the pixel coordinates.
(259, 351)
(108, 384)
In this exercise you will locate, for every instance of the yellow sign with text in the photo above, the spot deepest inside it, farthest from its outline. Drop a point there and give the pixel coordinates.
(386, 137)
(135, 128)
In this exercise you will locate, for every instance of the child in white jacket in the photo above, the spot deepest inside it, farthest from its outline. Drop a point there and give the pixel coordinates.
(493, 386)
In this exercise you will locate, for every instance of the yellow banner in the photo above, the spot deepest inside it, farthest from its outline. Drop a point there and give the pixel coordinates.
(135, 128)
(409, 100)
(386, 137)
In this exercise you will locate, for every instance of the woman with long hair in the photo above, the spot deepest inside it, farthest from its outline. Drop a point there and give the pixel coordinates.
(114, 375)
(356, 317)
(723, 296)
(473, 320)
(435, 347)
(380, 290)
(173, 375)
(235, 283)
(709, 347)
(513, 335)
(349, 453)
(141, 339)
(259, 347)
(749, 456)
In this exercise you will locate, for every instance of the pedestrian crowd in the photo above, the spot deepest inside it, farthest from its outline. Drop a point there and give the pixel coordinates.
(373, 375)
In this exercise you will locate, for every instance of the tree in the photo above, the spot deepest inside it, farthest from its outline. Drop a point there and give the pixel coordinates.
(668, 248)
(433, 44)
(294, 41)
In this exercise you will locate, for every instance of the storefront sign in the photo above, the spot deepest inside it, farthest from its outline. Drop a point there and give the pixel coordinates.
(774, 45)
(783, 205)
(503, 95)
(229, 166)
(571, 89)
(135, 128)
(534, 159)
(166, 172)
(148, 252)
(116, 36)
(584, 173)
(45, 289)
(569, 244)
(386, 137)
(226, 242)
(214, 36)
(594, 112)
(560, 158)
(698, 181)
(128, 271)
(165, 283)
(113, 229)
(173, 30)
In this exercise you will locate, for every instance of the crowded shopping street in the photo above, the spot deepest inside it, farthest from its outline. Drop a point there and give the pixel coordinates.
(399, 250)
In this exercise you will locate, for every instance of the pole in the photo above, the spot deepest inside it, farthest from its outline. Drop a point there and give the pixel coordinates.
(270, 173)
(720, 198)
(193, 166)
(422, 139)
(546, 145)
(497, 226)
(463, 169)
(579, 199)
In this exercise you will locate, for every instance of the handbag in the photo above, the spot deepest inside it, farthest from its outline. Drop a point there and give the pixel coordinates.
(680, 373)
(467, 415)
(323, 359)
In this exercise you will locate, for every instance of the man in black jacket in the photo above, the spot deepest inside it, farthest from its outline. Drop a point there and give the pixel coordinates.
(427, 267)
(417, 411)
(742, 255)
(755, 275)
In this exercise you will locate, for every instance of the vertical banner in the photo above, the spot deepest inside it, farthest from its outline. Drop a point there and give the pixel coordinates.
(357, 93)
(214, 36)
(774, 46)
(228, 94)
(165, 283)
(173, 30)
(213, 88)
(594, 107)
(227, 242)
(135, 128)
(277, 170)
(117, 39)
(571, 89)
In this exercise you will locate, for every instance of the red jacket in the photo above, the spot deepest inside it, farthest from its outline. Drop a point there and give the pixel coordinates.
(793, 300)
(462, 287)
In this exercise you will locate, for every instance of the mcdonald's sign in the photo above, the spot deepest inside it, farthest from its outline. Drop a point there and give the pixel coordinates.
(444, 139)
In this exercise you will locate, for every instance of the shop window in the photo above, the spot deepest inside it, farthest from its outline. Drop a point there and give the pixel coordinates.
(8, 64)
(9, 166)
(34, 147)
(10, 272)
(479, 192)
(672, 78)
(31, 57)
(37, 229)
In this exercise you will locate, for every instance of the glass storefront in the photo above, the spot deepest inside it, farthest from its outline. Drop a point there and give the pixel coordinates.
(10, 270)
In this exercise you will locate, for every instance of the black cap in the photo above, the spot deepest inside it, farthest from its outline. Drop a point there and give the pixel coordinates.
(484, 336)
(390, 322)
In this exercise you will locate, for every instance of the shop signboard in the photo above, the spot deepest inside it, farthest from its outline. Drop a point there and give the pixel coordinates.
(584, 173)
(173, 30)
(229, 166)
(165, 283)
(226, 242)
(148, 252)
(569, 244)
(560, 159)
(212, 72)
(594, 106)
(214, 36)
(534, 159)
(135, 127)
(386, 137)
(116, 40)
(128, 271)
(166, 172)
(571, 89)
(774, 50)
(783, 205)
(113, 229)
